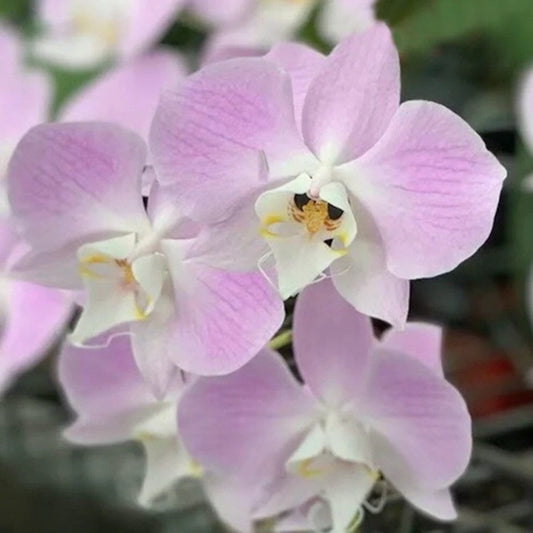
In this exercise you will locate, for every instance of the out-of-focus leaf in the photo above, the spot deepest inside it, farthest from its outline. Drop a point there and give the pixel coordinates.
(506, 22)
(15, 10)
(393, 11)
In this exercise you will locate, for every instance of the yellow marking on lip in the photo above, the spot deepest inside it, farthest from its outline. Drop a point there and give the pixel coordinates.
(304, 469)
(94, 259)
(268, 221)
(195, 469)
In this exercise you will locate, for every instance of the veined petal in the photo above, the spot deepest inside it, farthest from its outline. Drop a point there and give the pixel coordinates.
(302, 63)
(77, 182)
(419, 340)
(246, 424)
(429, 179)
(207, 134)
(351, 102)
(332, 343)
(134, 85)
(421, 423)
(223, 318)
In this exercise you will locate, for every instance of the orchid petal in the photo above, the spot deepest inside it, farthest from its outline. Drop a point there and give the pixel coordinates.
(214, 126)
(419, 340)
(154, 347)
(166, 463)
(247, 422)
(421, 423)
(223, 318)
(77, 181)
(302, 63)
(438, 504)
(232, 501)
(362, 278)
(346, 490)
(428, 180)
(351, 102)
(332, 343)
(128, 94)
(145, 22)
(34, 318)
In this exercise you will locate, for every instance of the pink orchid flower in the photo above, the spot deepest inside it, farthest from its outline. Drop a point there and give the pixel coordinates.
(32, 316)
(79, 34)
(113, 404)
(75, 188)
(379, 193)
(367, 407)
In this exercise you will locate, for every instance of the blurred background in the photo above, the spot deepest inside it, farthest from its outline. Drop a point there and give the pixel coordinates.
(469, 55)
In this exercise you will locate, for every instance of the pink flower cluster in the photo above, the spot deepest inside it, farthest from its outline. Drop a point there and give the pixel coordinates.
(181, 234)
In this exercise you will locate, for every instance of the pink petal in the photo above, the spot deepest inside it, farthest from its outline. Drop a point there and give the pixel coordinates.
(332, 343)
(419, 340)
(363, 280)
(247, 423)
(207, 134)
(146, 22)
(34, 319)
(223, 318)
(351, 102)
(303, 64)
(437, 504)
(103, 382)
(127, 95)
(421, 423)
(432, 188)
(77, 182)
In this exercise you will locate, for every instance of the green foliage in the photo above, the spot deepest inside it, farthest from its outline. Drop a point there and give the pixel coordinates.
(420, 26)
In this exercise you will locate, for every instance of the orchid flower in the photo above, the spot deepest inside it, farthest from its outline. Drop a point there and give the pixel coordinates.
(113, 404)
(32, 317)
(368, 407)
(75, 189)
(377, 192)
(79, 34)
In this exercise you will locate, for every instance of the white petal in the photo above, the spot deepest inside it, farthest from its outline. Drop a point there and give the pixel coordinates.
(348, 440)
